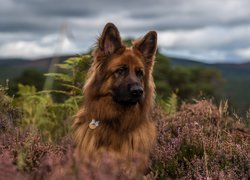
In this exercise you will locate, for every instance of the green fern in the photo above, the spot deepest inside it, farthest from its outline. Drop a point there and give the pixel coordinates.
(72, 75)
(39, 109)
(170, 106)
(60, 77)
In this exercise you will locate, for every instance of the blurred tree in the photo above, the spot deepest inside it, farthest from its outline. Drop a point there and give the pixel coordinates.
(186, 82)
(162, 73)
(28, 77)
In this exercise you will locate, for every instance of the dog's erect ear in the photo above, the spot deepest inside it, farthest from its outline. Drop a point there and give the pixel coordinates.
(147, 45)
(110, 40)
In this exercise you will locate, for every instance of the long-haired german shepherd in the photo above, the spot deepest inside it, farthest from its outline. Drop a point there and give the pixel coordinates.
(119, 94)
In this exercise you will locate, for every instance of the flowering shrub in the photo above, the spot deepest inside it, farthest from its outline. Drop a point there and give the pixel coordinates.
(200, 142)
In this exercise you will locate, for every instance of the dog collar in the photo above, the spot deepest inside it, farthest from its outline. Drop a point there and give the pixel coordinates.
(93, 124)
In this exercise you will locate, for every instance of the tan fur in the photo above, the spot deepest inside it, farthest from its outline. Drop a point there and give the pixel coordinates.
(124, 131)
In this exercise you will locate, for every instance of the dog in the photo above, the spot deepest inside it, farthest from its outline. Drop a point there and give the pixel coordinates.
(118, 98)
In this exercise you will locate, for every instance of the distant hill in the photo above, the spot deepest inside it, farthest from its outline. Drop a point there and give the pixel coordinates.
(236, 87)
(227, 69)
(18, 65)
(237, 81)
(12, 68)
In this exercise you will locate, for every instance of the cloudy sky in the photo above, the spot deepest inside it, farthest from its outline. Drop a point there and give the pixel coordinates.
(209, 31)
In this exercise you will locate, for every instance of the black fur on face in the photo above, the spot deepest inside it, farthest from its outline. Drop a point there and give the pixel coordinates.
(124, 96)
(127, 88)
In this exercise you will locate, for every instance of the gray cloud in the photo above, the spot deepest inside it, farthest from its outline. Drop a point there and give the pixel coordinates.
(57, 8)
(200, 28)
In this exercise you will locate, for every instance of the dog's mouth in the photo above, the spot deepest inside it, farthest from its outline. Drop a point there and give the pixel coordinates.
(128, 103)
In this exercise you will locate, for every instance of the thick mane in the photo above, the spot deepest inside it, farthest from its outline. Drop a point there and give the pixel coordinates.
(107, 109)
(124, 129)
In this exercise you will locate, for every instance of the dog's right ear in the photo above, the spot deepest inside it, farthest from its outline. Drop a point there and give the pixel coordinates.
(110, 40)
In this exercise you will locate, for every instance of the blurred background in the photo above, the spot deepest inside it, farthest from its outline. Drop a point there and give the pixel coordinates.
(204, 46)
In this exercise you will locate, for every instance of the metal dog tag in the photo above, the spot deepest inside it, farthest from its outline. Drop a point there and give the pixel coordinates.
(93, 124)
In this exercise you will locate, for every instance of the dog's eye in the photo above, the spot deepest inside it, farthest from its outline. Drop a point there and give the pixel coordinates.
(120, 71)
(139, 73)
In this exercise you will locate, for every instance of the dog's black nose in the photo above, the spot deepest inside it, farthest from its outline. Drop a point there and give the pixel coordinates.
(136, 90)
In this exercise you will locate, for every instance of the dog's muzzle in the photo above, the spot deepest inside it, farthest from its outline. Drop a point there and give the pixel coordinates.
(128, 96)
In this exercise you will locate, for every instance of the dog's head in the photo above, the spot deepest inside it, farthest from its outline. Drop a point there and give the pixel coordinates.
(122, 72)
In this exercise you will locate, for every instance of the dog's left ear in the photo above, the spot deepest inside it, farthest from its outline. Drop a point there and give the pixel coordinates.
(147, 45)
(110, 40)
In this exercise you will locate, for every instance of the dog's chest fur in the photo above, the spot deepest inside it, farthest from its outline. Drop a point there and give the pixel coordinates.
(108, 137)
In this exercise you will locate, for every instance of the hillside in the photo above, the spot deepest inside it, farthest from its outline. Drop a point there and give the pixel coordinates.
(227, 69)
(236, 85)
(12, 68)
(236, 76)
